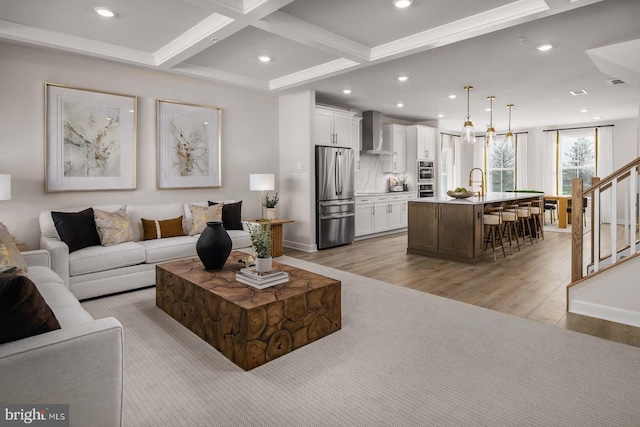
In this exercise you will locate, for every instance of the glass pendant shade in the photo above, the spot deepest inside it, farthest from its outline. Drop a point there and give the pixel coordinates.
(509, 138)
(468, 135)
(490, 136)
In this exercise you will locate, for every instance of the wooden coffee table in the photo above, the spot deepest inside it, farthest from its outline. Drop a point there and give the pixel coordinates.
(249, 326)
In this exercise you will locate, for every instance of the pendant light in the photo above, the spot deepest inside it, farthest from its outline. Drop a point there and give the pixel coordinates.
(490, 136)
(468, 136)
(509, 138)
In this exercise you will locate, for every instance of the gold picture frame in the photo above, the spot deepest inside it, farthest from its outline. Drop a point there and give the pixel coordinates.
(90, 139)
(189, 145)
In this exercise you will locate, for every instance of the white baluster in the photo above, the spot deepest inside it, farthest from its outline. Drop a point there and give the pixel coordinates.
(633, 176)
(614, 221)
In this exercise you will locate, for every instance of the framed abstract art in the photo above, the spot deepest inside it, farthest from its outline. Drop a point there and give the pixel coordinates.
(90, 140)
(188, 145)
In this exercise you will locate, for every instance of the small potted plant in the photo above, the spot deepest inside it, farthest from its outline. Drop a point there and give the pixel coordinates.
(270, 203)
(261, 240)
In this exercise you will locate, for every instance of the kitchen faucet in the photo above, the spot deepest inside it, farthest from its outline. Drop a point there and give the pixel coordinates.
(482, 181)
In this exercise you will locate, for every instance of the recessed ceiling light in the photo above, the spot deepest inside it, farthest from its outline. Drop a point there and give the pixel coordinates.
(399, 105)
(103, 11)
(346, 91)
(131, 111)
(453, 96)
(584, 110)
(487, 109)
(440, 115)
(401, 4)
(578, 92)
(597, 118)
(403, 78)
(545, 47)
(264, 58)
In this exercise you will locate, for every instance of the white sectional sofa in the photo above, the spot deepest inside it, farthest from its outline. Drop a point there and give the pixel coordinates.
(80, 364)
(103, 270)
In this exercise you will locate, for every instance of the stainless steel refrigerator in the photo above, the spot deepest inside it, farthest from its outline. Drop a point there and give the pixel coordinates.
(335, 203)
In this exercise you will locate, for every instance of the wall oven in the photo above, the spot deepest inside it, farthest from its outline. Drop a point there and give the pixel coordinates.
(426, 189)
(425, 171)
(426, 178)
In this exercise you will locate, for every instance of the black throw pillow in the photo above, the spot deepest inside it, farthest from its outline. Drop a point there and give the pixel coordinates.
(77, 229)
(23, 311)
(231, 215)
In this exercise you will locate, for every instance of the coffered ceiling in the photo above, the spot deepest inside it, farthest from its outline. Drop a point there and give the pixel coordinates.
(364, 45)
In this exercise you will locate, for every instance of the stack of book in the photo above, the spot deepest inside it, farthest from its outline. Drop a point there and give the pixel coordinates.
(249, 276)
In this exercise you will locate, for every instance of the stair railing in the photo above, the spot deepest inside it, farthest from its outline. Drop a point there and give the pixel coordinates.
(605, 195)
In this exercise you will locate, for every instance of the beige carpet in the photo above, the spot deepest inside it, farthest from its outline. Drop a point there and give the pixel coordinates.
(402, 358)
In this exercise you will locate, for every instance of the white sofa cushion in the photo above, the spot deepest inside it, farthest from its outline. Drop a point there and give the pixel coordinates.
(159, 212)
(63, 303)
(100, 258)
(48, 229)
(41, 274)
(240, 238)
(160, 250)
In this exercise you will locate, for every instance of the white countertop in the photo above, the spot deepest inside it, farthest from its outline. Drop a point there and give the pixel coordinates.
(487, 198)
(386, 193)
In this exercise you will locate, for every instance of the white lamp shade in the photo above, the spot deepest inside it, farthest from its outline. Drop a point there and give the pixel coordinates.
(5, 187)
(262, 182)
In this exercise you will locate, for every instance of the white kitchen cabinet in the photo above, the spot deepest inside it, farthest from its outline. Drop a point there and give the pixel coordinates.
(333, 127)
(379, 213)
(364, 216)
(405, 208)
(394, 212)
(421, 142)
(356, 140)
(394, 139)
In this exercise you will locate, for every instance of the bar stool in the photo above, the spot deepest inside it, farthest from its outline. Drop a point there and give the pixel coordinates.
(510, 221)
(524, 216)
(494, 221)
(536, 215)
(551, 206)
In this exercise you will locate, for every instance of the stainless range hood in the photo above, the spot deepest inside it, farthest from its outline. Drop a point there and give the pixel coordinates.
(372, 142)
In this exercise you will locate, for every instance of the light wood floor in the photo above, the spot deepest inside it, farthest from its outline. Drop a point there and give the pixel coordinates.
(529, 284)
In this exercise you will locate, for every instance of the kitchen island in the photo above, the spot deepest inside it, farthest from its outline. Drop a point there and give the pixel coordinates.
(453, 229)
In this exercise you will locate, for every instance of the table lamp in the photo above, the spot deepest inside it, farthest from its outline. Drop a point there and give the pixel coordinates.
(262, 182)
(5, 186)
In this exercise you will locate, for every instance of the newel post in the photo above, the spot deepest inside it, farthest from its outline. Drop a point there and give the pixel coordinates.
(576, 229)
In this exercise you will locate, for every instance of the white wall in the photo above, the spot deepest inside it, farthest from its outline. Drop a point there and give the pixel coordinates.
(249, 133)
(297, 169)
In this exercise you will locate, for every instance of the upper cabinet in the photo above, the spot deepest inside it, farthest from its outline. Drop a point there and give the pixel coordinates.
(394, 139)
(334, 127)
(422, 139)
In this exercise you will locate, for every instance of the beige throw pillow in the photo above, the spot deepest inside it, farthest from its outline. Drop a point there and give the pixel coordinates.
(113, 227)
(9, 253)
(200, 215)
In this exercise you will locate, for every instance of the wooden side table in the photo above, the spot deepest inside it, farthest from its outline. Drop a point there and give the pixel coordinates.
(277, 248)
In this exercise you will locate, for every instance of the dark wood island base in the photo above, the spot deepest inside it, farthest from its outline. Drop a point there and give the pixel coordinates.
(453, 229)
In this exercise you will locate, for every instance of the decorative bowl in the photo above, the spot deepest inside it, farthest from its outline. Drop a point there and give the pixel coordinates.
(459, 194)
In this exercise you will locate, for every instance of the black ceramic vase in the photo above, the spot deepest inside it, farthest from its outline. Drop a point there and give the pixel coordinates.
(214, 246)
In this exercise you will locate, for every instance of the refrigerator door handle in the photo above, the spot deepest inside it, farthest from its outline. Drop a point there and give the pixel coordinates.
(341, 171)
(336, 174)
(337, 216)
(337, 203)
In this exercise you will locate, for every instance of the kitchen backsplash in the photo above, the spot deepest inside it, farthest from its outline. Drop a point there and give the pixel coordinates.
(371, 179)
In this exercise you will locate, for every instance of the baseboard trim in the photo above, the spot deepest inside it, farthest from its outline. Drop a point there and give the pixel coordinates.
(300, 246)
(599, 311)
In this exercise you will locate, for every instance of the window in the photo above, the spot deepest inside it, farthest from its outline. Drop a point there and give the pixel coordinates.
(447, 165)
(576, 159)
(501, 167)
